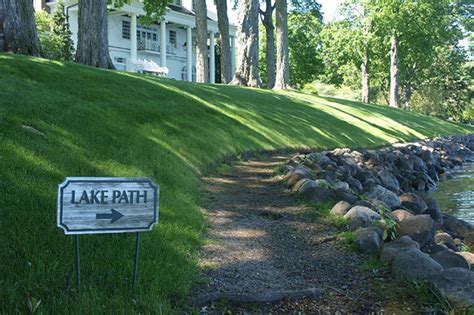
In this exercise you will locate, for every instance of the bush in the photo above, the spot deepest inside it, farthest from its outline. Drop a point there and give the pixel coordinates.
(54, 34)
(331, 90)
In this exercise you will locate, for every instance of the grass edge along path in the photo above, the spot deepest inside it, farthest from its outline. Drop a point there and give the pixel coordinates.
(63, 119)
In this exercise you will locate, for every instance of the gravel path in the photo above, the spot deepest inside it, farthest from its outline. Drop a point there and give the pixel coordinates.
(264, 245)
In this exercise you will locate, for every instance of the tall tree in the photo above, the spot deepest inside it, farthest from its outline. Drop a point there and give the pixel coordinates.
(92, 39)
(17, 22)
(247, 60)
(267, 21)
(394, 85)
(282, 79)
(202, 62)
(225, 58)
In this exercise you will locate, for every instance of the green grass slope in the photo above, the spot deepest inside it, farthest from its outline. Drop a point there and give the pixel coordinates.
(104, 123)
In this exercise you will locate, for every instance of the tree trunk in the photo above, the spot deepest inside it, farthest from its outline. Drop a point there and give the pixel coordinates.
(247, 60)
(408, 86)
(92, 41)
(408, 93)
(394, 93)
(282, 80)
(225, 58)
(267, 21)
(364, 67)
(17, 24)
(202, 62)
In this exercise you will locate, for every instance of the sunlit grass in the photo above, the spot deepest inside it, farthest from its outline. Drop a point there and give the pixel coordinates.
(104, 123)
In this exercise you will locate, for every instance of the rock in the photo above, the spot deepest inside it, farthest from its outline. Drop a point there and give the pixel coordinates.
(389, 181)
(413, 264)
(297, 174)
(469, 257)
(369, 239)
(436, 215)
(448, 259)
(365, 203)
(341, 186)
(361, 217)
(420, 228)
(456, 285)
(469, 240)
(413, 203)
(391, 249)
(433, 248)
(340, 208)
(457, 227)
(445, 239)
(385, 195)
(316, 190)
(355, 185)
(345, 195)
(304, 188)
(399, 215)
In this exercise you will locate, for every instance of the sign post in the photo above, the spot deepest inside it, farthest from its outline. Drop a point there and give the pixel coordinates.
(97, 205)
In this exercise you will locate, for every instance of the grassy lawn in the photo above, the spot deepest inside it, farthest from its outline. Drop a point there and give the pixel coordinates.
(104, 123)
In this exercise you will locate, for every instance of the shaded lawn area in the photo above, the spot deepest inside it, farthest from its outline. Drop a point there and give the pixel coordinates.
(103, 123)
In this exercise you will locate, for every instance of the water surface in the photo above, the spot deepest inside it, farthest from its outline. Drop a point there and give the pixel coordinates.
(456, 196)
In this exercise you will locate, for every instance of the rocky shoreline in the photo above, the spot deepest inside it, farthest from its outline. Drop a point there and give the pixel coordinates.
(379, 193)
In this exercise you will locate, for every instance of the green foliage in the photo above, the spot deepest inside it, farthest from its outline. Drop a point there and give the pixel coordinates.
(426, 31)
(349, 239)
(390, 230)
(331, 90)
(304, 45)
(374, 264)
(54, 34)
(154, 9)
(95, 122)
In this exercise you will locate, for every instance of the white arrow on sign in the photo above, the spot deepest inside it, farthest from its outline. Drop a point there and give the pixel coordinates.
(93, 205)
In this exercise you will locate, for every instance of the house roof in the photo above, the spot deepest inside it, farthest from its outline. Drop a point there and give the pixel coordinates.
(181, 9)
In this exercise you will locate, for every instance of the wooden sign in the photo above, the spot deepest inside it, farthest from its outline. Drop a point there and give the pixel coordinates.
(93, 205)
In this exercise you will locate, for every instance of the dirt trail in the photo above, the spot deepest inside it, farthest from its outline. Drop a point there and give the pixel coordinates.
(262, 241)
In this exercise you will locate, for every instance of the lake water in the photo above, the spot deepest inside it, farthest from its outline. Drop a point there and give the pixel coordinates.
(456, 196)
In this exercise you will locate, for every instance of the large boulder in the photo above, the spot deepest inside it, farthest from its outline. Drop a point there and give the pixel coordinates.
(413, 264)
(383, 194)
(316, 190)
(369, 239)
(457, 227)
(391, 249)
(340, 208)
(436, 215)
(456, 285)
(359, 216)
(449, 259)
(445, 239)
(388, 180)
(399, 215)
(469, 258)
(420, 228)
(414, 203)
(297, 174)
(345, 195)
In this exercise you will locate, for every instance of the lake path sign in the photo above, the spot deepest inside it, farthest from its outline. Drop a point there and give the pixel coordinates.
(95, 205)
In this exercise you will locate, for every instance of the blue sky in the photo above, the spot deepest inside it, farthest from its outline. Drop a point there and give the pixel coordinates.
(329, 8)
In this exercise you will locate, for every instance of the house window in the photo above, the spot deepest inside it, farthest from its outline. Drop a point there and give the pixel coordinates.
(120, 63)
(184, 74)
(126, 29)
(173, 41)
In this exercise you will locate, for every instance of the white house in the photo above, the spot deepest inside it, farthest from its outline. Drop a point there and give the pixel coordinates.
(162, 47)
